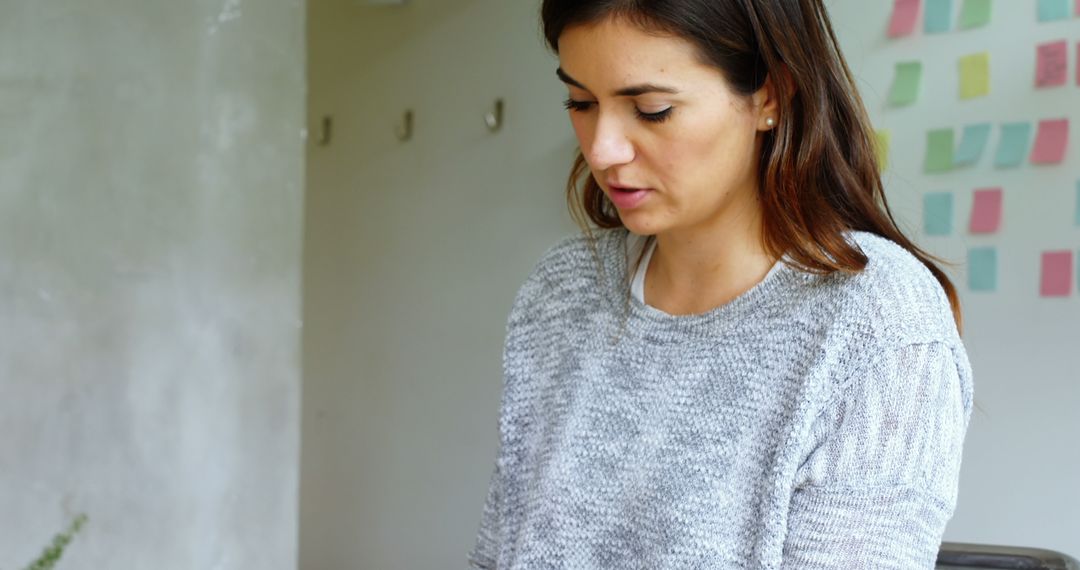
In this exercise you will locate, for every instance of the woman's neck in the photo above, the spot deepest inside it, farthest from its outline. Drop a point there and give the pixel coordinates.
(694, 270)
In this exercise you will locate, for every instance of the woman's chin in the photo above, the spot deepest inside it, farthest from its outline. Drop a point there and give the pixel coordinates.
(637, 225)
(638, 228)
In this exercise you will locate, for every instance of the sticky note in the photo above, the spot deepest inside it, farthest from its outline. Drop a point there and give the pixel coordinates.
(975, 14)
(1050, 10)
(975, 75)
(904, 16)
(1057, 274)
(1012, 148)
(982, 269)
(1051, 142)
(905, 87)
(937, 16)
(986, 211)
(883, 140)
(972, 143)
(1051, 64)
(939, 151)
(938, 213)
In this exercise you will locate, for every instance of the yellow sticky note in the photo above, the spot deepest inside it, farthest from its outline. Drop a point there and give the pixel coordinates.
(883, 139)
(975, 75)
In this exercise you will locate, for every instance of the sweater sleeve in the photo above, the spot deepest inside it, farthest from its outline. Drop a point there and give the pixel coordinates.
(879, 481)
(485, 549)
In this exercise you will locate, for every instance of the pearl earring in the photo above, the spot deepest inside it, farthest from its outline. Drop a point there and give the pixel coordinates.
(771, 122)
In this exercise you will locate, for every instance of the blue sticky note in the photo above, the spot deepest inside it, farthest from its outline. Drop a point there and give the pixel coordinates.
(938, 213)
(1013, 146)
(937, 16)
(982, 269)
(1050, 10)
(972, 143)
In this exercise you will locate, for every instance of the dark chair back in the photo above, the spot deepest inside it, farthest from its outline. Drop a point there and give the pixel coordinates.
(961, 555)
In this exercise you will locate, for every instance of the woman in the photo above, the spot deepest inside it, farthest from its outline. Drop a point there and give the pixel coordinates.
(746, 365)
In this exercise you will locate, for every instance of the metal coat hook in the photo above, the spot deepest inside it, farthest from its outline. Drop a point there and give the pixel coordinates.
(325, 130)
(404, 131)
(494, 119)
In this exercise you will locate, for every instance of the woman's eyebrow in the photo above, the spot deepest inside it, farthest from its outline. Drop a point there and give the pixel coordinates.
(630, 91)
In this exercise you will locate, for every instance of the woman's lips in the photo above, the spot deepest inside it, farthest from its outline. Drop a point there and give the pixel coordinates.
(627, 198)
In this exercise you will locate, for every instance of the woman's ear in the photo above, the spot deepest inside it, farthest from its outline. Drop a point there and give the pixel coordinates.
(779, 85)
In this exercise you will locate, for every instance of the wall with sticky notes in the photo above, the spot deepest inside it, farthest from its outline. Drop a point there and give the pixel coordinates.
(979, 102)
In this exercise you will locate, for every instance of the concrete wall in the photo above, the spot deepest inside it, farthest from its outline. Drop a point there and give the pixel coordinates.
(151, 169)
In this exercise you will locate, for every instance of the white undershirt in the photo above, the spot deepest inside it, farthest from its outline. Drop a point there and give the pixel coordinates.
(637, 286)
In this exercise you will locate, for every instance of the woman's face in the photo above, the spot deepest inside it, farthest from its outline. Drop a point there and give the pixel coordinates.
(683, 136)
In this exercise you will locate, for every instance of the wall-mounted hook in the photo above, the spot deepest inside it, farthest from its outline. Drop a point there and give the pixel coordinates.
(325, 130)
(405, 129)
(494, 119)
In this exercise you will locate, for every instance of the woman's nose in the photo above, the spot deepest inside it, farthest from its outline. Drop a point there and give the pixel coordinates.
(610, 144)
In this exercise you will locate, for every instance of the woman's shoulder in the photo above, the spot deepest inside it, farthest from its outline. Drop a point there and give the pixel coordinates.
(572, 267)
(578, 253)
(895, 297)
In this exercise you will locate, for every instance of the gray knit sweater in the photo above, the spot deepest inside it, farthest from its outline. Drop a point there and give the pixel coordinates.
(813, 422)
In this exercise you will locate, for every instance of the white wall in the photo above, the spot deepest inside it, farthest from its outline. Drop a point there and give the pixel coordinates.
(412, 257)
(150, 222)
(1021, 460)
(414, 251)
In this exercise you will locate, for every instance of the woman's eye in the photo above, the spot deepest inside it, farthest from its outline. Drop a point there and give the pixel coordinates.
(577, 105)
(657, 117)
(654, 117)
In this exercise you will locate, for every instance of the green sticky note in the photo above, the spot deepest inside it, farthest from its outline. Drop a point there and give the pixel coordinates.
(1013, 147)
(883, 140)
(975, 75)
(937, 16)
(1050, 10)
(938, 214)
(939, 151)
(972, 143)
(982, 269)
(905, 87)
(974, 14)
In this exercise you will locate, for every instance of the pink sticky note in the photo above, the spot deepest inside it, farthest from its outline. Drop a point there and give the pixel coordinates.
(1057, 271)
(904, 17)
(1052, 64)
(986, 211)
(1050, 142)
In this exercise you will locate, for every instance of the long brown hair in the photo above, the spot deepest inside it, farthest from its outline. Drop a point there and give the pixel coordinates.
(819, 174)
